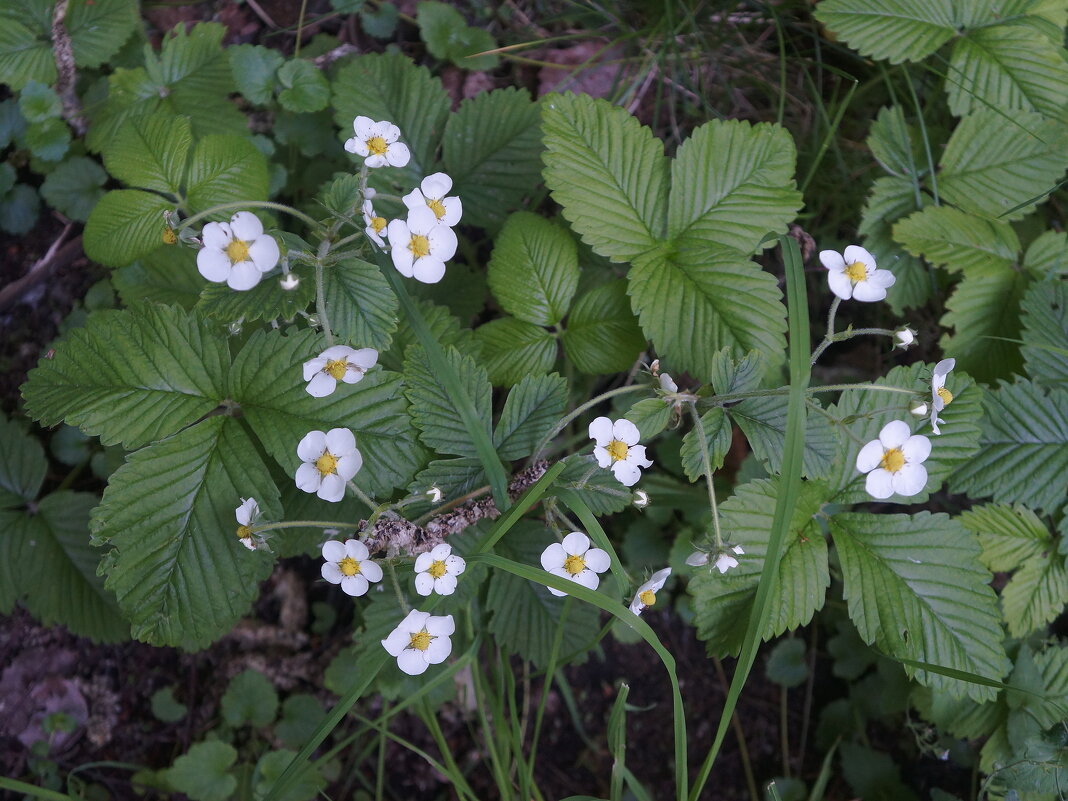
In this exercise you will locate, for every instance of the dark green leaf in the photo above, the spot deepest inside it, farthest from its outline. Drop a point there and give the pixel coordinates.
(532, 408)
(74, 187)
(254, 68)
(361, 306)
(125, 225)
(512, 349)
(305, 88)
(602, 334)
(534, 270)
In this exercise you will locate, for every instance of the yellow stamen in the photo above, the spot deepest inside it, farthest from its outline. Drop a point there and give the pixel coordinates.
(437, 207)
(378, 224)
(893, 460)
(420, 641)
(336, 368)
(648, 597)
(237, 251)
(856, 272)
(945, 395)
(349, 566)
(377, 145)
(574, 565)
(169, 237)
(437, 569)
(419, 246)
(617, 450)
(326, 464)
(244, 532)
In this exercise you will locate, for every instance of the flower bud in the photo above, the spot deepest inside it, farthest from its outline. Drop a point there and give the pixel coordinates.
(289, 282)
(697, 559)
(667, 383)
(434, 494)
(904, 337)
(920, 410)
(640, 499)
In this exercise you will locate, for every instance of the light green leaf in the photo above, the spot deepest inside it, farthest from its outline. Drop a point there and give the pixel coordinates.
(717, 429)
(532, 408)
(432, 411)
(916, 590)
(151, 152)
(254, 68)
(602, 335)
(267, 381)
(265, 301)
(763, 421)
(1009, 535)
(125, 225)
(608, 172)
(891, 30)
(534, 272)
(167, 275)
(203, 773)
(512, 349)
(22, 465)
(994, 163)
(225, 169)
(721, 600)
(251, 699)
(492, 149)
(98, 28)
(650, 415)
(896, 145)
(731, 375)
(361, 306)
(1047, 255)
(131, 377)
(958, 241)
(1023, 456)
(732, 183)
(983, 306)
(25, 55)
(695, 303)
(1044, 315)
(74, 187)
(180, 574)
(305, 88)
(1008, 68)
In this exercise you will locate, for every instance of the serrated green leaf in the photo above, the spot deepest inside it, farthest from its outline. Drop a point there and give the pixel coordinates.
(608, 172)
(168, 275)
(203, 773)
(150, 152)
(1047, 255)
(19, 209)
(993, 163)
(254, 68)
(454, 477)
(98, 28)
(225, 169)
(361, 306)
(891, 30)
(1044, 317)
(445, 328)
(958, 241)
(305, 88)
(22, 465)
(896, 145)
(268, 300)
(512, 349)
(602, 335)
(1023, 455)
(717, 428)
(180, 574)
(534, 270)
(125, 225)
(1036, 595)
(1009, 535)
(267, 381)
(594, 486)
(48, 140)
(432, 411)
(38, 102)
(763, 421)
(916, 590)
(532, 408)
(721, 600)
(729, 376)
(25, 55)
(131, 377)
(251, 699)
(650, 415)
(732, 183)
(75, 187)
(492, 149)
(892, 198)
(984, 306)
(1008, 68)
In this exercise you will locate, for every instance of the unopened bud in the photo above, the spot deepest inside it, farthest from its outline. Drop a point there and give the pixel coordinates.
(697, 559)
(920, 410)
(904, 337)
(435, 494)
(289, 282)
(640, 499)
(667, 383)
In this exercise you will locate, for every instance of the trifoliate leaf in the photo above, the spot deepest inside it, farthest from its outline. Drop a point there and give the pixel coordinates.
(717, 428)
(203, 773)
(786, 663)
(19, 208)
(268, 300)
(891, 30)
(763, 421)
(532, 408)
(125, 225)
(249, 699)
(534, 270)
(1044, 315)
(167, 275)
(450, 38)
(226, 169)
(74, 187)
(254, 68)
(1023, 455)
(513, 349)
(958, 241)
(304, 87)
(602, 335)
(131, 377)
(982, 307)
(722, 600)
(22, 465)
(432, 410)
(915, 588)
(608, 172)
(151, 152)
(361, 306)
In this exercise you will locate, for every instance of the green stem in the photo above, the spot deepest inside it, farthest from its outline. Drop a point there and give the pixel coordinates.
(366, 499)
(320, 301)
(396, 586)
(579, 410)
(720, 400)
(706, 464)
(303, 524)
(246, 204)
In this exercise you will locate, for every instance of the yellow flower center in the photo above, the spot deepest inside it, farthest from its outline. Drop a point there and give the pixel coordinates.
(378, 224)
(856, 271)
(348, 566)
(437, 207)
(648, 597)
(945, 395)
(169, 237)
(377, 145)
(336, 368)
(420, 641)
(326, 464)
(617, 450)
(419, 246)
(244, 532)
(574, 565)
(237, 251)
(893, 460)
(437, 569)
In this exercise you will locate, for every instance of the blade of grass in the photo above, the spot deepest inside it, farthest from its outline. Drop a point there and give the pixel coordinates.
(600, 539)
(789, 489)
(617, 741)
(820, 786)
(37, 792)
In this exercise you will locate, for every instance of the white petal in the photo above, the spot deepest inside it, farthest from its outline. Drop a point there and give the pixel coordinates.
(436, 186)
(603, 457)
(439, 649)
(412, 662)
(943, 367)
(446, 585)
(363, 127)
(374, 162)
(636, 606)
(357, 146)
(442, 241)
(626, 473)
(424, 583)
(313, 366)
(855, 253)
(332, 488)
(840, 285)
(626, 432)
(882, 278)
(421, 221)
(414, 199)
(636, 456)
(371, 570)
(441, 552)
(402, 259)
(440, 625)
(213, 264)
(349, 466)
(307, 478)
(553, 557)
(247, 511)
(455, 564)
(311, 447)
(587, 578)
(398, 154)
(454, 210)
(340, 441)
(910, 479)
(334, 551)
(216, 236)
(576, 543)
(725, 562)
(415, 621)
(246, 226)
(243, 276)
(832, 260)
(916, 449)
(879, 483)
(321, 385)
(423, 562)
(868, 292)
(935, 420)
(601, 431)
(428, 270)
(397, 641)
(561, 573)
(354, 585)
(356, 549)
(364, 358)
(597, 560)
(870, 456)
(894, 434)
(386, 129)
(331, 572)
(264, 253)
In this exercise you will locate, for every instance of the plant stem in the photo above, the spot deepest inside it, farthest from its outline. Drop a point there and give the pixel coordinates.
(396, 586)
(245, 204)
(706, 463)
(302, 524)
(576, 412)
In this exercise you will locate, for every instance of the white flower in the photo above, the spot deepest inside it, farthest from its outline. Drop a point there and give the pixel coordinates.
(420, 247)
(347, 564)
(641, 499)
(646, 594)
(377, 143)
(725, 561)
(617, 447)
(437, 570)
(247, 513)
(940, 396)
(853, 274)
(894, 462)
(420, 640)
(434, 494)
(667, 383)
(431, 194)
(904, 337)
(574, 559)
(337, 363)
(330, 460)
(237, 252)
(920, 410)
(376, 226)
(289, 282)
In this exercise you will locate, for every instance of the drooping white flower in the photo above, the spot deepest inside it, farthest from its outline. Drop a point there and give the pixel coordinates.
(247, 513)
(330, 459)
(436, 570)
(646, 594)
(420, 247)
(725, 561)
(940, 396)
(904, 337)
(420, 640)
(574, 559)
(617, 447)
(431, 194)
(377, 143)
(376, 226)
(894, 462)
(337, 363)
(667, 383)
(237, 252)
(853, 274)
(348, 564)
